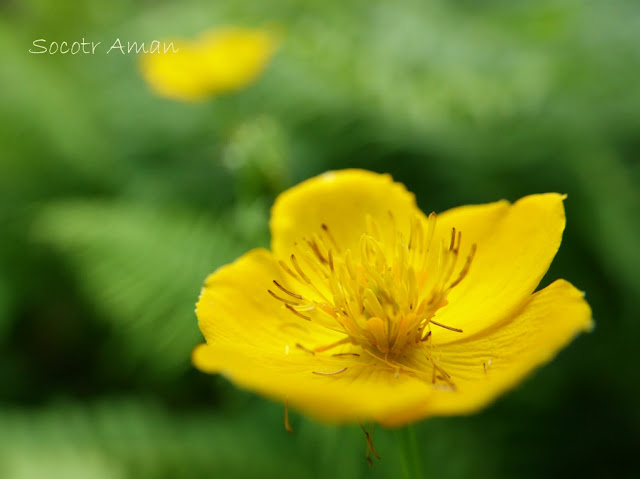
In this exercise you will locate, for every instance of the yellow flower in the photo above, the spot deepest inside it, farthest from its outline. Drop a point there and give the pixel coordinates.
(365, 309)
(219, 61)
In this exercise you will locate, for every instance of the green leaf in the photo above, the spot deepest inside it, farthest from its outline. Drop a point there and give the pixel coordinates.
(142, 269)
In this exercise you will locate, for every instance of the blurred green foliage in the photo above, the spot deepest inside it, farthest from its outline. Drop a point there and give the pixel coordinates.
(115, 205)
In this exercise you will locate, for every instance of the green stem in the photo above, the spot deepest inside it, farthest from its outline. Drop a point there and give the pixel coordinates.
(410, 453)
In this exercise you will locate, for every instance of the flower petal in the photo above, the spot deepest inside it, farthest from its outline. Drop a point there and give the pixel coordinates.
(341, 200)
(487, 364)
(234, 57)
(219, 61)
(175, 75)
(515, 246)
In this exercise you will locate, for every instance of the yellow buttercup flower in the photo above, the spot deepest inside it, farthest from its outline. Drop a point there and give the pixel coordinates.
(365, 309)
(219, 61)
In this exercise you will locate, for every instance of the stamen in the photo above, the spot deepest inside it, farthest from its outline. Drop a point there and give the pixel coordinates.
(392, 220)
(427, 336)
(466, 267)
(295, 325)
(297, 313)
(284, 266)
(486, 366)
(285, 301)
(283, 289)
(439, 368)
(431, 229)
(331, 238)
(420, 235)
(450, 328)
(316, 250)
(370, 447)
(320, 373)
(345, 354)
(443, 376)
(287, 425)
(300, 346)
(295, 264)
(320, 349)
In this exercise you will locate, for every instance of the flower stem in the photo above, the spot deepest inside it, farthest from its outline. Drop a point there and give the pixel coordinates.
(410, 453)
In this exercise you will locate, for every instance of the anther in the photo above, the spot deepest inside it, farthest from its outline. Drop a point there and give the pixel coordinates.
(486, 366)
(297, 313)
(284, 266)
(285, 301)
(447, 375)
(467, 265)
(320, 373)
(370, 443)
(284, 290)
(333, 240)
(345, 354)
(305, 349)
(287, 426)
(456, 240)
(326, 347)
(295, 264)
(430, 229)
(316, 250)
(392, 219)
(450, 328)
(441, 371)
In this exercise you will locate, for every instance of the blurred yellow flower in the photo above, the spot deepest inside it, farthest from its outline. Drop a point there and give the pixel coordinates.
(365, 309)
(219, 61)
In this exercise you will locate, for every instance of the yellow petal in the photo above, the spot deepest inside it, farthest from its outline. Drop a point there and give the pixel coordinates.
(232, 58)
(341, 200)
(175, 75)
(219, 61)
(485, 365)
(515, 246)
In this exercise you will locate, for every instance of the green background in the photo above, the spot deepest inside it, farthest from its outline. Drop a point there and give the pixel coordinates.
(115, 204)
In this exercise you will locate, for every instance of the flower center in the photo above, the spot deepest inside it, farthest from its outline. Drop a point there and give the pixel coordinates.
(381, 295)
